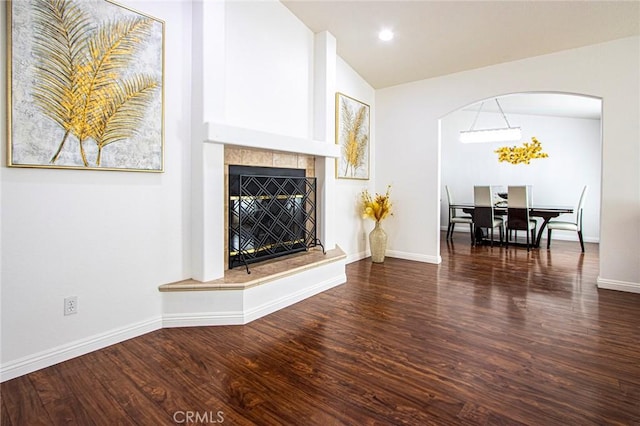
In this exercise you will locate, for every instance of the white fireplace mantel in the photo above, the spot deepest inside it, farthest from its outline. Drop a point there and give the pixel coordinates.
(203, 300)
(231, 135)
(208, 185)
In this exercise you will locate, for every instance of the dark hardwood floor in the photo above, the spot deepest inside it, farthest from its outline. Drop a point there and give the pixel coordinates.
(490, 336)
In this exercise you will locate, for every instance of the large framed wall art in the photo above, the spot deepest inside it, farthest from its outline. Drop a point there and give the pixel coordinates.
(352, 134)
(86, 86)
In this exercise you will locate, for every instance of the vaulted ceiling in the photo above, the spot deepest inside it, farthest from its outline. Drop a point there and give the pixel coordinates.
(434, 38)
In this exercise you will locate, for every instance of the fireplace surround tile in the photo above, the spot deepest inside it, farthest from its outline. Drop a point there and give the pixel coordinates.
(260, 158)
(232, 155)
(283, 159)
(306, 162)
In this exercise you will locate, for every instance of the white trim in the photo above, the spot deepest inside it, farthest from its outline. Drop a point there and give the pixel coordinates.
(557, 234)
(220, 306)
(397, 254)
(199, 319)
(239, 136)
(290, 299)
(357, 256)
(415, 256)
(202, 319)
(569, 236)
(47, 358)
(618, 285)
(80, 347)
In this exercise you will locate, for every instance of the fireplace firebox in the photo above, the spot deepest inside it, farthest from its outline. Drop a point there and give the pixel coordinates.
(272, 213)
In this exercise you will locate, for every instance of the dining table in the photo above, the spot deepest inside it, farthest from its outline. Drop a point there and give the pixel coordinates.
(545, 212)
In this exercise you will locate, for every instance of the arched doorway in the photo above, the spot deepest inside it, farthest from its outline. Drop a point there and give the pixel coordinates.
(568, 126)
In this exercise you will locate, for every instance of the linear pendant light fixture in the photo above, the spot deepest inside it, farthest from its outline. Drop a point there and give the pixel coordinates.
(490, 135)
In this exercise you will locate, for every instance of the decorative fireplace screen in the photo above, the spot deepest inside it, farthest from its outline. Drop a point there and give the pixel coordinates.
(272, 212)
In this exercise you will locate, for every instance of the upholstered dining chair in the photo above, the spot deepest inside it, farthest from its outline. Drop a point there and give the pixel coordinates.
(518, 218)
(575, 226)
(455, 218)
(483, 211)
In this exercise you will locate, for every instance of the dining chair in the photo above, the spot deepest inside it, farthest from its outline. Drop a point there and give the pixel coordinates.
(454, 218)
(518, 218)
(569, 226)
(483, 211)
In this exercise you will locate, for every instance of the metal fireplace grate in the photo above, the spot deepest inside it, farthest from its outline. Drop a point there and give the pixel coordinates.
(270, 216)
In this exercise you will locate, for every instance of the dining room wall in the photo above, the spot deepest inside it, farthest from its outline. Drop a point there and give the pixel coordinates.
(408, 144)
(575, 155)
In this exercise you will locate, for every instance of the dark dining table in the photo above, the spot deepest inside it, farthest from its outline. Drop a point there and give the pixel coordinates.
(545, 212)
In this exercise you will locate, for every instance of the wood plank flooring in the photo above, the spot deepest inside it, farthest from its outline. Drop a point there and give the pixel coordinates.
(490, 336)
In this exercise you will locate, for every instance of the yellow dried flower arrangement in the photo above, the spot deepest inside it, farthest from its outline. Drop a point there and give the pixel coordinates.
(378, 207)
(521, 154)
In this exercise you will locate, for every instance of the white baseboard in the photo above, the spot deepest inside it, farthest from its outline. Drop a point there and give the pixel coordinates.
(77, 348)
(557, 235)
(235, 306)
(414, 256)
(400, 255)
(357, 256)
(572, 236)
(202, 319)
(618, 285)
(240, 317)
(290, 299)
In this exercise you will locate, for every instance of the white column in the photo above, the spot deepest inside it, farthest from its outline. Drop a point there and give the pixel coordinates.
(324, 129)
(207, 176)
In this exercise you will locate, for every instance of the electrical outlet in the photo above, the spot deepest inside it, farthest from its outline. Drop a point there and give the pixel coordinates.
(71, 305)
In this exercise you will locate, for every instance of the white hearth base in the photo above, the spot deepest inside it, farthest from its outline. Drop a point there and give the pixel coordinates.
(269, 287)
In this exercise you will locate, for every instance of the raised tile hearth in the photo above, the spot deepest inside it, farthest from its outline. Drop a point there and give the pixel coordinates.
(239, 298)
(262, 273)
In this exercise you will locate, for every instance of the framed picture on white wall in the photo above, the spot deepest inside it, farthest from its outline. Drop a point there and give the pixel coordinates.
(85, 86)
(353, 136)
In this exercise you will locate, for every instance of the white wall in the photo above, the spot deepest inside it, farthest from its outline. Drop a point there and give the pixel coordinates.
(575, 158)
(268, 69)
(408, 149)
(268, 86)
(109, 238)
(353, 231)
(112, 237)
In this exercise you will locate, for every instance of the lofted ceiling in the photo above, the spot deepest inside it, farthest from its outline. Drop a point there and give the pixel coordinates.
(434, 38)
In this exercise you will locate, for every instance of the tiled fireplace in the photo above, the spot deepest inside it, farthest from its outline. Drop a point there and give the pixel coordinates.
(265, 161)
(218, 295)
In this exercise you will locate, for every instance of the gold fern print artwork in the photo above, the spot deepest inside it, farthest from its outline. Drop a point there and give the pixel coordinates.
(353, 122)
(87, 79)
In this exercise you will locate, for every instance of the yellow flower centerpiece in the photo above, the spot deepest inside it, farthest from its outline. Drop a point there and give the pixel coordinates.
(377, 208)
(521, 154)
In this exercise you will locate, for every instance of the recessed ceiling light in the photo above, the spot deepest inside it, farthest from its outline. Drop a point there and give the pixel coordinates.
(385, 35)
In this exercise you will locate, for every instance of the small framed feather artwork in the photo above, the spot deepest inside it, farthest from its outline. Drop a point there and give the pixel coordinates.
(85, 86)
(352, 134)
